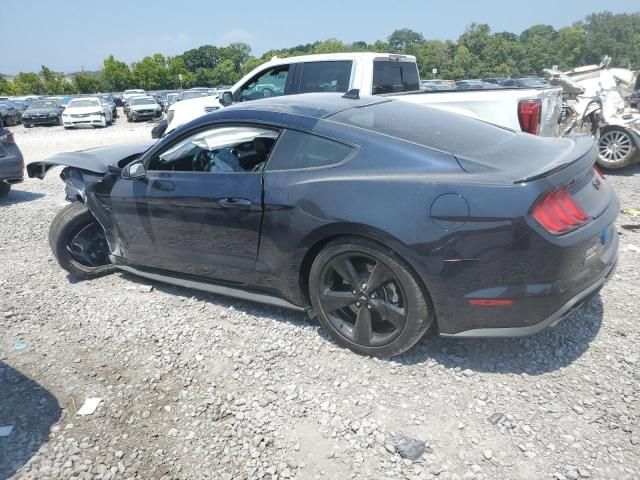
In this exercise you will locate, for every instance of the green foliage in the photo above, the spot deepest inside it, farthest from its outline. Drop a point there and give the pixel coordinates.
(115, 74)
(86, 83)
(477, 53)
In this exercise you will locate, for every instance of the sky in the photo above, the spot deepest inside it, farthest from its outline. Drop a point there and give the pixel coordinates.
(71, 35)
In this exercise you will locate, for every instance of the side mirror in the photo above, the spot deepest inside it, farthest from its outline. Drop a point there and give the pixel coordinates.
(134, 170)
(227, 98)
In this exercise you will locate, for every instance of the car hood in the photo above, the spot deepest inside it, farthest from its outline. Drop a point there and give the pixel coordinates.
(95, 160)
(187, 110)
(83, 110)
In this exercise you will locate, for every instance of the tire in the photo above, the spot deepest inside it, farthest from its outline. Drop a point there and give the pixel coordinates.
(59, 121)
(27, 125)
(68, 223)
(616, 149)
(394, 293)
(5, 188)
(129, 119)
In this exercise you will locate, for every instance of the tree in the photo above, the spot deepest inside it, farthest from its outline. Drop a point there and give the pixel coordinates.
(115, 74)
(401, 40)
(27, 84)
(331, 45)
(150, 72)
(54, 83)
(238, 53)
(6, 87)
(206, 56)
(87, 83)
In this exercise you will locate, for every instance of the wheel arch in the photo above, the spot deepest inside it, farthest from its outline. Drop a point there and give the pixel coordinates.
(380, 238)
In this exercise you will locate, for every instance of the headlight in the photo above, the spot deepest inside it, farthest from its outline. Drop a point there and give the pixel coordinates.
(53, 114)
(26, 115)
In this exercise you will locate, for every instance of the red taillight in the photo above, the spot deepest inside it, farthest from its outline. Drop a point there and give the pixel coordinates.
(559, 213)
(529, 115)
(8, 138)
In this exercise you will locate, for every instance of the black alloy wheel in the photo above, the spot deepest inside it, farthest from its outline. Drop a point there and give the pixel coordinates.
(368, 298)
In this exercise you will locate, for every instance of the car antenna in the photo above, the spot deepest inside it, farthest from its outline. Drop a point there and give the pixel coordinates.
(353, 94)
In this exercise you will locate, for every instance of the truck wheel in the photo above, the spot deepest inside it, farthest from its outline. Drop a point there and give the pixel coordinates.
(616, 149)
(78, 242)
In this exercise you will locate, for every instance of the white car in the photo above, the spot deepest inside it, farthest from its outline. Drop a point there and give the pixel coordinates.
(92, 111)
(132, 93)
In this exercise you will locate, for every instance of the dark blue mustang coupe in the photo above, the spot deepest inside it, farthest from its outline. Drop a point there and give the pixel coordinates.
(381, 217)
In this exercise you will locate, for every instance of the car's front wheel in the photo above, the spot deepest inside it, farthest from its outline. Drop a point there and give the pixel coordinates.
(78, 242)
(368, 298)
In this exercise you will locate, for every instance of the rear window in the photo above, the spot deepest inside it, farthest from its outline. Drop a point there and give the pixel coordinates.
(296, 150)
(325, 76)
(426, 126)
(394, 77)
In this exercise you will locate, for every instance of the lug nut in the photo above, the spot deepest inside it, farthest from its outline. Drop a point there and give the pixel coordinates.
(364, 286)
(354, 292)
(357, 304)
(369, 306)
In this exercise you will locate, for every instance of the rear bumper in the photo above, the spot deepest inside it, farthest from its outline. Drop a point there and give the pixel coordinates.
(574, 304)
(69, 121)
(12, 166)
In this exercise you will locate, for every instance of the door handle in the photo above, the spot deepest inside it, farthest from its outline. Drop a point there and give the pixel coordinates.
(234, 202)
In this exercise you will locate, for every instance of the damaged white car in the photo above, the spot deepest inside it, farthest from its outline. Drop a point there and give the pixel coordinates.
(599, 94)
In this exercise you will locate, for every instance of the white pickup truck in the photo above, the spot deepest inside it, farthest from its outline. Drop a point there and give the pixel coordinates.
(533, 110)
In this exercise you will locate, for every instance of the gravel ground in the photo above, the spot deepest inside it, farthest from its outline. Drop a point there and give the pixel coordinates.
(197, 386)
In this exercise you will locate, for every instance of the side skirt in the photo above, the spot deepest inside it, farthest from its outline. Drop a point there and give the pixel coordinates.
(213, 288)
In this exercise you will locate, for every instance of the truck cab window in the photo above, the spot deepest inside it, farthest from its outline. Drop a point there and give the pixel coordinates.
(325, 76)
(394, 77)
(269, 83)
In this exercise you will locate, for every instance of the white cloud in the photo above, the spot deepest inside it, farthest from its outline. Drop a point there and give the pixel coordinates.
(234, 35)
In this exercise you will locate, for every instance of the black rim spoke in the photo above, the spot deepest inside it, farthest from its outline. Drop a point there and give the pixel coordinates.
(392, 314)
(333, 300)
(347, 271)
(380, 276)
(362, 331)
(372, 312)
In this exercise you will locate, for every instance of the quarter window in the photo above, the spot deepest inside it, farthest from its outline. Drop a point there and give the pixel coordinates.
(325, 76)
(298, 150)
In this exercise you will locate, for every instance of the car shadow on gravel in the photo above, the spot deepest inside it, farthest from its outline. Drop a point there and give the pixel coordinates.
(19, 196)
(548, 351)
(629, 171)
(31, 410)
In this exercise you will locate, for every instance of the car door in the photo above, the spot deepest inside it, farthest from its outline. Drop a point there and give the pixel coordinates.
(191, 212)
(270, 82)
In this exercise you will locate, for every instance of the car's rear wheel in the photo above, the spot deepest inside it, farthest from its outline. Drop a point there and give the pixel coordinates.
(5, 188)
(78, 242)
(616, 149)
(368, 299)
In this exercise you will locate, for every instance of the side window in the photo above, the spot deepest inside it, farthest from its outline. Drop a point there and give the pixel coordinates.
(218, 150)
(298, 150)
(394, 77)
(325, 76)
(269, 83)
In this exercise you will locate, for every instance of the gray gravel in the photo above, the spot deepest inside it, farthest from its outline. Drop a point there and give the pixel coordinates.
(199, 386)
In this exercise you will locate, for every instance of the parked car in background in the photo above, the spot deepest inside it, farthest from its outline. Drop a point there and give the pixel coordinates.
(474, 85)
(171, 99)
(11, 162)
(525, 82)
(112, 103)
(21, 105)
(502, 233)
(435, 85)
(93, 111)
(495, 80)
(188, 94)
(9, 114)
(143, 108)
(42, 112)
(534, 110)
(132, 93)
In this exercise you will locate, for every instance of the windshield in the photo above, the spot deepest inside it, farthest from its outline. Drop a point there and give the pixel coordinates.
(128, 92)
(143, 101)
(83, 103)
(445, 131)
(44, 105)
